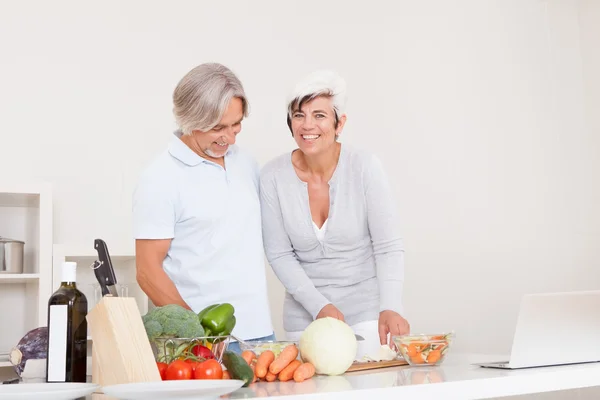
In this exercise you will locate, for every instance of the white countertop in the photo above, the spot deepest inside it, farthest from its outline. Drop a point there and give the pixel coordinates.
(456, 378)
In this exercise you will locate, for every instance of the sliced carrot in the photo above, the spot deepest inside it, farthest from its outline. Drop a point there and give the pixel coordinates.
(434, 356)
(248, 356)
(264, 361)
(417, 359)
(288, 372)
(304, 372)
(410, 350)
(287, 355)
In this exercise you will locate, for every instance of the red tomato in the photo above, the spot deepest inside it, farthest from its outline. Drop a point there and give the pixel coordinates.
(179, 370)
(162, 368)
(193, 363)
(209, 369)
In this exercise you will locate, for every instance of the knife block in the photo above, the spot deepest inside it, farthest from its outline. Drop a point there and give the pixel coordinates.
(121, 351)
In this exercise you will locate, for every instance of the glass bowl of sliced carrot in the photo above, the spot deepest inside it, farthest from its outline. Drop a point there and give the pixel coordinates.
(424, 349)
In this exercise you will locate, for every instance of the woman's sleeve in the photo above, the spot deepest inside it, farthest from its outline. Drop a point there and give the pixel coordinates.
(387, 243)
(280, 253)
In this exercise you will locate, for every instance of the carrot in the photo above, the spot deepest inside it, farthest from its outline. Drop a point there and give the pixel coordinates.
(417, 359)
(286, 356)
(270, 377)
(248, 356)
(226, 374)
(433, 356)
(264, 361)
(288, 372)
(303, 372)
(253, 368)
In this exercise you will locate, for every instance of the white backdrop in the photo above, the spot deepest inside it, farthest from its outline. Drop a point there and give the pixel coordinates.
(482, 112)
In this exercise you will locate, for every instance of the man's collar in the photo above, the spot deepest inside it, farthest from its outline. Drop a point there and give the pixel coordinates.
(181, 151)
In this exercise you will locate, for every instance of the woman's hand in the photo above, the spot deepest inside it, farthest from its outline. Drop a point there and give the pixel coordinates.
(330, 311)
(392, 323)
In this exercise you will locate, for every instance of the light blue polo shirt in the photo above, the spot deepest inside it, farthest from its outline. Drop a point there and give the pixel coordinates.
(213, 217)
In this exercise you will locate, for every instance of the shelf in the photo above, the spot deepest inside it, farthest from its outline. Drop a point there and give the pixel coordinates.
(22, 195)
(18, 278)
(4, 361)
(26, 214)
(88, 253)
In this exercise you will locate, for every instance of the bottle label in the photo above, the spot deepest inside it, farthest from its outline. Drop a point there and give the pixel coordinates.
(57, 343)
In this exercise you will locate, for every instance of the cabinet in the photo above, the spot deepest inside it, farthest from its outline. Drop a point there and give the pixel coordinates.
(26, 215)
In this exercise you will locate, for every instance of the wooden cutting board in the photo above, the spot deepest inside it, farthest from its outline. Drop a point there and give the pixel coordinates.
(362, 366)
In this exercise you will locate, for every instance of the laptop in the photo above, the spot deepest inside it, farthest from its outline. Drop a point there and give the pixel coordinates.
(555, 329)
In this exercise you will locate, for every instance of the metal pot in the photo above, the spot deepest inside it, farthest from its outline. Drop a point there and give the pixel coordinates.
(11, 256)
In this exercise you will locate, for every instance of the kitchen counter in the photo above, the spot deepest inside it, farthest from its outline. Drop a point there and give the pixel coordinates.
(456, 378)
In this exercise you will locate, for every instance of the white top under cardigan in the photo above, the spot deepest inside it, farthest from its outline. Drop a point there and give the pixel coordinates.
(320, 232)
(358, 262)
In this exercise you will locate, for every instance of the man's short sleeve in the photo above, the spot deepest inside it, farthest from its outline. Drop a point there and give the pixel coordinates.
(154, 209)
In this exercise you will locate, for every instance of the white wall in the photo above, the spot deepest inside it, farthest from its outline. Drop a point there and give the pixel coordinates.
(477, 109)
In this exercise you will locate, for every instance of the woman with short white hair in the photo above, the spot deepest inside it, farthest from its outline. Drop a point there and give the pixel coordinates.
(329, 223)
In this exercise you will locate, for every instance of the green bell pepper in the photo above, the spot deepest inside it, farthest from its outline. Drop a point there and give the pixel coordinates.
(218, 319)
(202, 313)
(228, 327)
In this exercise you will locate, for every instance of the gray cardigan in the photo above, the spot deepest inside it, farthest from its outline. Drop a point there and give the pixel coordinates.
(359, 266)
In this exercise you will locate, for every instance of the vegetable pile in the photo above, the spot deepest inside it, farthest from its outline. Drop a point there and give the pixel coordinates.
(176, 332)
(193, 346)
(246, 367)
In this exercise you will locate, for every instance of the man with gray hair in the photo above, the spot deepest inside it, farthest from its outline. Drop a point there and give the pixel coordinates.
(196, 208)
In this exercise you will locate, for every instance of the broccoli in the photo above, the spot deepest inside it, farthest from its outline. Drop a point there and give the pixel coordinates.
(165, 325)
(172, 321)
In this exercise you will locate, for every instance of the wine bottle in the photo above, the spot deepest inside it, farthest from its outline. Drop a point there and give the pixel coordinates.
(67, 330)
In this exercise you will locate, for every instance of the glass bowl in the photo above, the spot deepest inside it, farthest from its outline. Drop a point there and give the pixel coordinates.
(259, 346)
(424, 349)
(169, 349)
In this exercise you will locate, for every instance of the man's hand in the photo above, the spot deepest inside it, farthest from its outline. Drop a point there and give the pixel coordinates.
(330, 311)
(392, 323)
